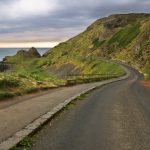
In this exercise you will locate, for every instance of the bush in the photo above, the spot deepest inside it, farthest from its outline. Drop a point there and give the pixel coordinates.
(6, 95)
(31, 90)
(9, 83)
(26, 142)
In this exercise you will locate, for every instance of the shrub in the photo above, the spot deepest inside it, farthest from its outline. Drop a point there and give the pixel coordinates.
(31, 90)
(9, 83)
(5, 95)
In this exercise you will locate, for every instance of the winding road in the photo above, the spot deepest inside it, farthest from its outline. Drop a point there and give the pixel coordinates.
(113, 117)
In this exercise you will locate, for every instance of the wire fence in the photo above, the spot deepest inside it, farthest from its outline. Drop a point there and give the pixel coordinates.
(86, 78)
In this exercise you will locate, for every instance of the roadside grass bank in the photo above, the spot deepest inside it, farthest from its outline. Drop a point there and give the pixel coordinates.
(14, 84)
(31, 76)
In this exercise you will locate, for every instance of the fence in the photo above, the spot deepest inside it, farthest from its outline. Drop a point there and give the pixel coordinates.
(86, 78)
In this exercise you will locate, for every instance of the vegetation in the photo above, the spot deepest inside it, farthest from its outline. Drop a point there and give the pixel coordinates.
(16, 84)
(97, 43)
(122, 37)
(27, 142)
(26, 76)
(39, 73)
(125, 36)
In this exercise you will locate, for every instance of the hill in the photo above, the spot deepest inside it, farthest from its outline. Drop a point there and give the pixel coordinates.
(124, 37)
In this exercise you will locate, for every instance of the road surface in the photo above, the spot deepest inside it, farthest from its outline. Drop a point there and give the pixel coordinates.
(18, 113)
(113, 117)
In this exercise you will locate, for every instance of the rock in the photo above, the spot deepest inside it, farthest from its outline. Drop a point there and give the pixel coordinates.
(33, 52)
(23, 55)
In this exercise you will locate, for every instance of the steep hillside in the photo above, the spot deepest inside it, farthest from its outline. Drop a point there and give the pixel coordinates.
(123, 37)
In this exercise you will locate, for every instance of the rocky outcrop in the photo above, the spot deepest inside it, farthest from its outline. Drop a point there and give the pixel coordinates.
(23, 55)
(33, 52)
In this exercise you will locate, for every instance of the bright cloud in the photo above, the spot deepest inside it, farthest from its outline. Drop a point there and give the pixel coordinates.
(56, 20)
(26, 8)
(31, 44)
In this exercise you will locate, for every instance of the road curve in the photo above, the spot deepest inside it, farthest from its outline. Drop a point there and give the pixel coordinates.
(113, 117)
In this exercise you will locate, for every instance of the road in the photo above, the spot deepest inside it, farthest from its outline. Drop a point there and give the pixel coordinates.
(16, 114)
(113, 117)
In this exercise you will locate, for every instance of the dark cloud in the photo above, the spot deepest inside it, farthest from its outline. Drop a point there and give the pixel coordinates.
(59, 21)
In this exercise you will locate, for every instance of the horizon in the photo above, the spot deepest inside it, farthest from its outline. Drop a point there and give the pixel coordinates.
(13, 51)
(51, 22)
(29, 45)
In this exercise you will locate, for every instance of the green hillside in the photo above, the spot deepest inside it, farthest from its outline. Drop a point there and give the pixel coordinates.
(123, 37)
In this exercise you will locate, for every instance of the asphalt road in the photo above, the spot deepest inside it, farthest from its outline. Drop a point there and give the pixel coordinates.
(113, 117)
(16, 114)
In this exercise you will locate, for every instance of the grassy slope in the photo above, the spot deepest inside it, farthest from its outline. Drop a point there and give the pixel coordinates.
(31, 75)
(27, 76)
(122, 37)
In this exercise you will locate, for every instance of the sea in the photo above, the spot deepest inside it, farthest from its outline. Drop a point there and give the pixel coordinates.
(12, 51)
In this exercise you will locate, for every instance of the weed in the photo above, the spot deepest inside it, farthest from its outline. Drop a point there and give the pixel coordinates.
(5, 95)
(25, 143)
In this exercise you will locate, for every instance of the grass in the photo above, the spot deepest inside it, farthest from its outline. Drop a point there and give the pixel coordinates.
(27, 142)
(32, 76)
(6, 95)
(97, 43)
(97, 66)
(88, 79)
(25, 82)
(29, 76)
(9, 82)
(87, 66)
(31, 90)
(146, 71)
(125, 36)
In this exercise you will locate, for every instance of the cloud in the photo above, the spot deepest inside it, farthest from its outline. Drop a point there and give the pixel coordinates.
(26, 8)
(57, 20)
(43, 35)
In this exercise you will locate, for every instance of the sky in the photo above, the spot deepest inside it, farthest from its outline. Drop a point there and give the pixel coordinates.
(45, 23)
